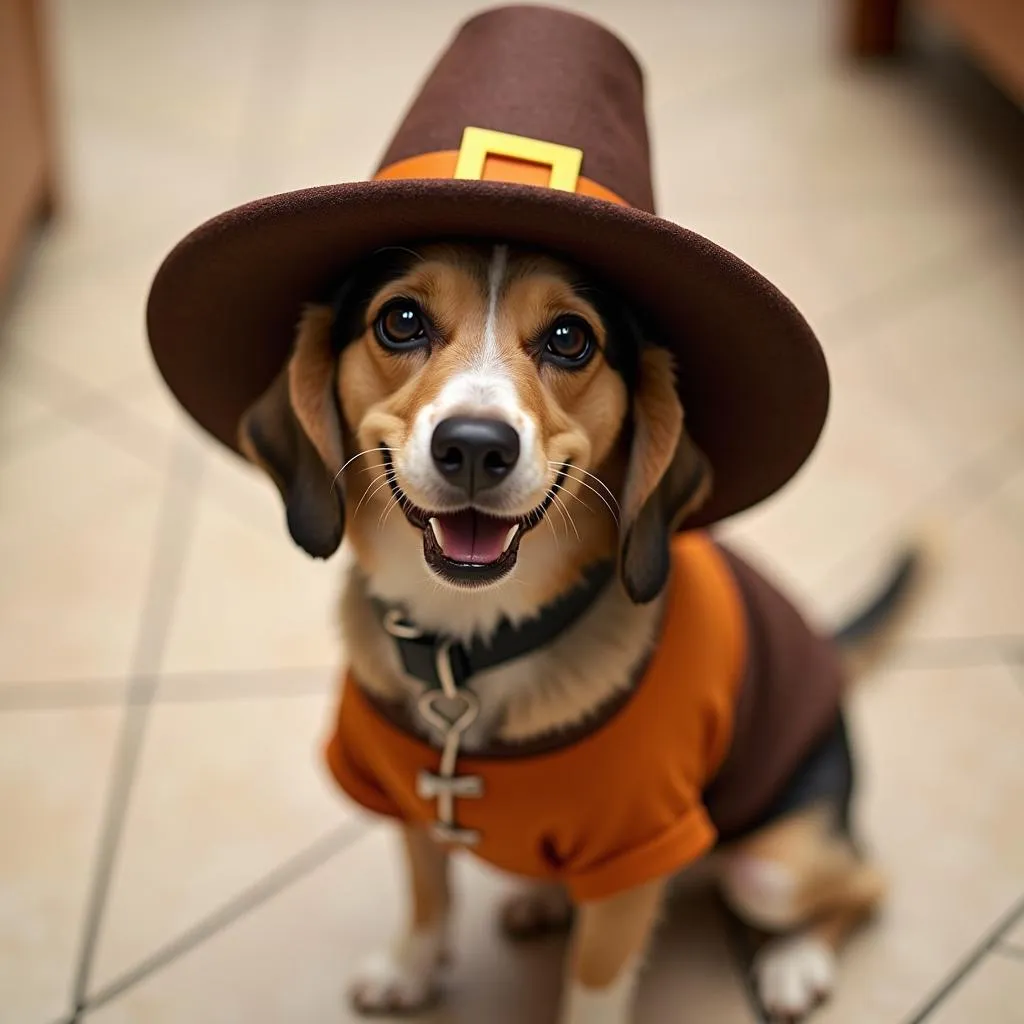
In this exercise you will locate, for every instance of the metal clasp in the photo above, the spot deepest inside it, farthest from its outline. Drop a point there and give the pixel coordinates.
(396, 625)
(444, 786)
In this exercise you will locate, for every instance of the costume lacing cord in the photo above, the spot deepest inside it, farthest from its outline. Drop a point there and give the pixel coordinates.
(446, 704)
(444, 785)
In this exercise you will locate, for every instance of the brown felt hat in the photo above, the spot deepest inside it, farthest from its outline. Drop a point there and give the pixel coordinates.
(530, 129)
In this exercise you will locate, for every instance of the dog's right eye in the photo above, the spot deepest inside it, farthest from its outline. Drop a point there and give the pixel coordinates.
(401, 325)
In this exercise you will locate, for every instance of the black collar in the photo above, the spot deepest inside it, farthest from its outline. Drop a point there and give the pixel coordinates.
(440, 661)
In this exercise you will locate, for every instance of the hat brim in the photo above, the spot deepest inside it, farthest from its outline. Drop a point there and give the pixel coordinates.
(226, 301)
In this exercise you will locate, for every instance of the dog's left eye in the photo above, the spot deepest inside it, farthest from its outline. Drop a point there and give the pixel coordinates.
(569, 343)
(401, 325)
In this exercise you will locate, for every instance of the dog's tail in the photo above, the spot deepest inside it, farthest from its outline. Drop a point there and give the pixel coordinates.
(869, 633)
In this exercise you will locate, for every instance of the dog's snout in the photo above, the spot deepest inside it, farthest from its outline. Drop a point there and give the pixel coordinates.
(474, 454)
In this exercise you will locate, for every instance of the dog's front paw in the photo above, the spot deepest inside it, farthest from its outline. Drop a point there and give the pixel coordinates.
(535, 911)
(794, 975)
(401, 980)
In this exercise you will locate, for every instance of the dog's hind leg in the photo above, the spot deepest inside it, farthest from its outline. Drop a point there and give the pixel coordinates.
(406, 977)
(801, 877)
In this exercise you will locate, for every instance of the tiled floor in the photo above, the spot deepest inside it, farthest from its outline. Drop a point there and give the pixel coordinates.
(171, 850)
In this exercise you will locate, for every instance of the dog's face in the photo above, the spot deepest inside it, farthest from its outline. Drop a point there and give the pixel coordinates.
(463, 395)
(482, 374)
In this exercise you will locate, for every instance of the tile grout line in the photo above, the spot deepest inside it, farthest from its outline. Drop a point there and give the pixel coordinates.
(168, 689)
(913, 654)
(170, 543)
(291, 871)
(173, 534)
(61, 702)
(986, 946)
(211, 674)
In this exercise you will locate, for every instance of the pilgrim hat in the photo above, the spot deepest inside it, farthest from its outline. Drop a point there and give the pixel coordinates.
(529, 129)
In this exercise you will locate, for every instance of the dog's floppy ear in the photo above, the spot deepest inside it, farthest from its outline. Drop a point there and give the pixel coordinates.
(667, 478)
(293, 432)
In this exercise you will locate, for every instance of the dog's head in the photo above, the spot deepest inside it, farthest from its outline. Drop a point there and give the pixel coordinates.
(480, 409)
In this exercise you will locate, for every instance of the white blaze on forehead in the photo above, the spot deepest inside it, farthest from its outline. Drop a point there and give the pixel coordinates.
(486, 382)
(490, 354)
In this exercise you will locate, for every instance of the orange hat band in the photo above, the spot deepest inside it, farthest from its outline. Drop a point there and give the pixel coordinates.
(495, 156)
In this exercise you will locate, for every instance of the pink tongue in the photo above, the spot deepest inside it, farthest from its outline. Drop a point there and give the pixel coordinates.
(472, 537)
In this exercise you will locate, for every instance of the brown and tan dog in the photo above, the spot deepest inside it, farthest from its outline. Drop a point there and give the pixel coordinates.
(485, 425)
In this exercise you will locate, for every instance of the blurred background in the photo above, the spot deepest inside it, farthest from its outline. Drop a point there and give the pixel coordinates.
(170, 848)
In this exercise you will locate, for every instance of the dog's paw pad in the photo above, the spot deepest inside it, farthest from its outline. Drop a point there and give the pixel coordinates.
(385, 985)
(535, 912)
(793, 976)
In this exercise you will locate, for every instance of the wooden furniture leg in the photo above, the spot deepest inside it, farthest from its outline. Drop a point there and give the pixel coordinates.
(872, 27)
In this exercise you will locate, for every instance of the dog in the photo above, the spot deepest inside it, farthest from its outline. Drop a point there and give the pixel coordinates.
(513, 450)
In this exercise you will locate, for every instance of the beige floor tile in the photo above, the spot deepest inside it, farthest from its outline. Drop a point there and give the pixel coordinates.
(1012, 489)
(1015, 936)
(130, 194)
(884, 254)
(35, 376)
(76, 533)
(86, 321)
(243, 490)
(691, 973)
(940, 756)
(22, 418)
(288, 960)
(224, 793)
(251, 600)
(233, 484)
(139, 415)
(808, 129)
(954, 357)
(54, 769)
(992, 993)
(191, 65)
(147, 396)
(870, 469)
(977, 585)
(974, 546)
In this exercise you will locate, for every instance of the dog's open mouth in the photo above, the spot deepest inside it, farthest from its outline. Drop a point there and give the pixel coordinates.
(468, 546)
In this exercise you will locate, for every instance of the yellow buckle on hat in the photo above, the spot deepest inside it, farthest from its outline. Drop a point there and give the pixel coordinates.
(480, 143)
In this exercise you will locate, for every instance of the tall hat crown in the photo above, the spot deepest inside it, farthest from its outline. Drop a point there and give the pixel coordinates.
(569, 91)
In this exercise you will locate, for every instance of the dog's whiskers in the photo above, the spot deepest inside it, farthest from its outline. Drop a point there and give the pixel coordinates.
(558, 501)
(551, 527)
(388, 509)
(594, 476)
(565, 523)
(583, 483)
(365, 451)
(380, 481)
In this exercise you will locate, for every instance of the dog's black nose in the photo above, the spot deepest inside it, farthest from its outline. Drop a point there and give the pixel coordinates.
(474, 454)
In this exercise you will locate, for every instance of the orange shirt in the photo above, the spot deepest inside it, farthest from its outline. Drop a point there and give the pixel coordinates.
(616, 809)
